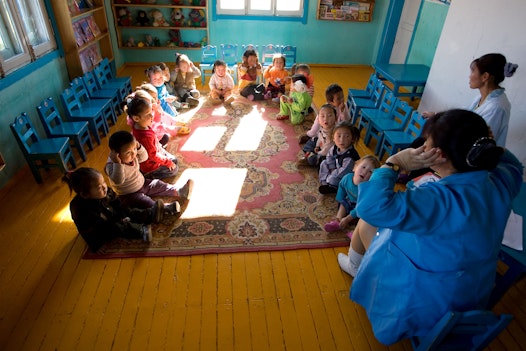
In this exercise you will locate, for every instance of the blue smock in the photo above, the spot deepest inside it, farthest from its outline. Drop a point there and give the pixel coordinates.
(438, 249)
(496, 111)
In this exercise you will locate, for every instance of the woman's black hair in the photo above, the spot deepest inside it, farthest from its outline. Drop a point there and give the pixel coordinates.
(80, 180)
(463, 136)
(496, 66)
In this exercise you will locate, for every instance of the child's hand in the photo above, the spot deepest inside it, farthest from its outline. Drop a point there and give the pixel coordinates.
(172, 166)
(170, 98)
(114, 157)
(317, 149)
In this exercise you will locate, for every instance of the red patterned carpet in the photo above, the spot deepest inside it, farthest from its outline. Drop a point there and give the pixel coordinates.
(249, 195)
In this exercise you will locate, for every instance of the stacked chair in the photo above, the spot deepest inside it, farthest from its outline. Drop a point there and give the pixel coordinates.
(125, 82)
(229, 55)
(371, 102)
(385, 108)
(267, 54)
(363, 93)
(41, 153)
(104, 94)
(208, 57)
(396, 120)
(395, 140)
(54, 126)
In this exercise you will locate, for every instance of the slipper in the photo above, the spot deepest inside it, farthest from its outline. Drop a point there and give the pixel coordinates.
(184, 131)
(331, 227)
(281, 118)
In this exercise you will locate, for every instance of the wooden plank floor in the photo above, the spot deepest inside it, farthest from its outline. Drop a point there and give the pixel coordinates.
(51, 299)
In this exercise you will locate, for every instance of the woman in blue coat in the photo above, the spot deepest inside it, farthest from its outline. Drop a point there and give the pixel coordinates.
(437, 247)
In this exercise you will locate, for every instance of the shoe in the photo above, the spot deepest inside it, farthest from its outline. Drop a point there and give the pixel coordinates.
(229, 100)
(250, 97)
(173, 209)
(310, 110)
(303, 161)
(268, 96)
(192, 101)
(281, 117)
(331, 227)
(216, 101)
(345, 264)
(164, 140)
(158, 212)
(177, 104)
(186, 191)
(303, 139)
(184, 131)
(147, 234)
(327, 189)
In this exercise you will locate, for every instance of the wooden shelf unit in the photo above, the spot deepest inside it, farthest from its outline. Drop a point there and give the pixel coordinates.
(124, 32)
(82, 58)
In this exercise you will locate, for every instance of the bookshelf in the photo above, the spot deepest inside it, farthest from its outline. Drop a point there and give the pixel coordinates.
(83, 29)
(184, 24)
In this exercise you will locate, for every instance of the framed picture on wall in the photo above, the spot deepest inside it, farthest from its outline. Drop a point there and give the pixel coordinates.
(341, 10)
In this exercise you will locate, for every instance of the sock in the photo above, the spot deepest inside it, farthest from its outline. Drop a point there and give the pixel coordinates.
(355, 259)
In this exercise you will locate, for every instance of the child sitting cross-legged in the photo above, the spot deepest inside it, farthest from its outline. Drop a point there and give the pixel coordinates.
(298, 101)
(221, 84)
(347, 194)
(315, 149)
(99, 216)
(340, 158)
(160, 163)
(277, 77)
(127, 180)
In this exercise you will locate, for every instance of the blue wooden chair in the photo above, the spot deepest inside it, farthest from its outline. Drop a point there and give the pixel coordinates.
(208, 57)
(387, 104)
(395, 140)
(372, 102)
(363, 93)
(96, 119)
(104, 106)
(104, 94)
(514, 259)
(112, 78)
(289, 52)
(472, 330)
(41, 153)
(397, 120)
(104, 83)
(267, 54)
(229, 55)
(77, 132)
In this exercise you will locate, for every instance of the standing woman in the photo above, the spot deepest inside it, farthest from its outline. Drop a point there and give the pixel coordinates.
(487, 72)
(437, 246)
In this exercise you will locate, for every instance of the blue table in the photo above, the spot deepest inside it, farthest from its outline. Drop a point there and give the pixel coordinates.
(402, 75)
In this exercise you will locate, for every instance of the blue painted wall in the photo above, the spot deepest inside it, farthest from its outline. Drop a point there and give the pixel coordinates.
(323, 42)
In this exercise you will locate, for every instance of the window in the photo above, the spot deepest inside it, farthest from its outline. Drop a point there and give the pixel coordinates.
(25, 33)
(259, 9)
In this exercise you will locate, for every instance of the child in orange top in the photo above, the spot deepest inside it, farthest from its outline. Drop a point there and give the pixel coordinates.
(160, 163)
(276, 75)
(248, 72)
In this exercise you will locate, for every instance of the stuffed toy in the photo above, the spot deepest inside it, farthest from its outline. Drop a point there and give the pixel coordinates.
(197, 18)
(178, 17)
(158, 19)
(175, 38)
(298, 101)
(178, 2)
(198, 2)
(142, 18)
(125, 18)
(131, 42)
(148, 40)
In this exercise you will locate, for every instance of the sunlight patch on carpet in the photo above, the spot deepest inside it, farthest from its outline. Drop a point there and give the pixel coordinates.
(216, 191)
(204, 139)
(248, 134)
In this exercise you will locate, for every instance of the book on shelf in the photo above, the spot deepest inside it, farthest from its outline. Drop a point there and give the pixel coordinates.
(79, 36)
(93, 25)
(73, 7)
(90, 57)
(87, 33)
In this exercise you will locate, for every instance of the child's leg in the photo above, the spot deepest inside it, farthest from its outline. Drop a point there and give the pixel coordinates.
(296, 117)
(162, 172)
(138, 199)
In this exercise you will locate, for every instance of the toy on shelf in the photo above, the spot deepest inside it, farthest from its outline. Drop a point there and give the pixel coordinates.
(178, 2)
(142, 18)
(158, 19)
(125, 18)
(178, 17)
(148, 40)
(131, 42)
(197, 18)
(175, 38)
(197, 2)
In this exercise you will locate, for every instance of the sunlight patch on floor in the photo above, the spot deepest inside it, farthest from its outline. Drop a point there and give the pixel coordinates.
(204, 139)
(216, 191)
(63, 215)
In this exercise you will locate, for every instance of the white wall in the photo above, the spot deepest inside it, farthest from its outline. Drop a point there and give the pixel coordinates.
(474, 28)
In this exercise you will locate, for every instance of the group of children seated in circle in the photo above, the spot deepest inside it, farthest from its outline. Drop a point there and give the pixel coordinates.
(138, 160)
